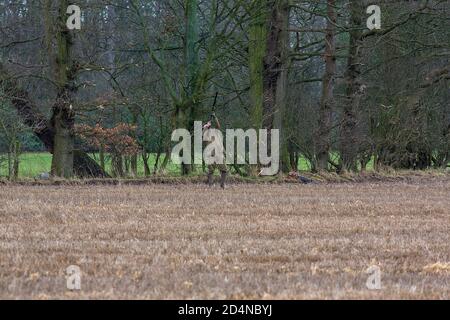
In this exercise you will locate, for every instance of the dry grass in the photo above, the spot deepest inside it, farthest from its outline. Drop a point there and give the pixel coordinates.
(249, 241)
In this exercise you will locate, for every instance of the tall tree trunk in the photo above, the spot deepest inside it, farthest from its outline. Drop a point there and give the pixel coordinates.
(63, 119)
(145, 158)
(348, 130)
(257, 51)
(276, 65)
(258, 32)
(323, 135)
(187, 109)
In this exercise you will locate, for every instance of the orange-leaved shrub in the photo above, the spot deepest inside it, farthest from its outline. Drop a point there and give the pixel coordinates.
(118, 140)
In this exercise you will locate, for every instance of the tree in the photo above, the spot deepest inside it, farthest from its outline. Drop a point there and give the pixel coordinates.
(65, 70)
(275, 74)
(11, 133)
(323, 142)
(354, 89)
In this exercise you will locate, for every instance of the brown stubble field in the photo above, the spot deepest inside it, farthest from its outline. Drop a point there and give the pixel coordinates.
(247, 242)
